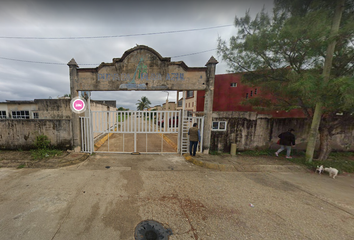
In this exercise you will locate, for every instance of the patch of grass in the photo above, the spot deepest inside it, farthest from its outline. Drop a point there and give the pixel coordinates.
(341, 154)
(340, 161)
(38, 154)
(21, 166)
(265, 152)
(343, 161)
(215, 153)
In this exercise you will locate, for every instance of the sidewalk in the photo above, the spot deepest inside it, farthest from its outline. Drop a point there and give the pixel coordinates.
(241, 163)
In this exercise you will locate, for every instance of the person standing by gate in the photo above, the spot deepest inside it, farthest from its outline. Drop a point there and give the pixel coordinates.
(287, 139)
(194, 138)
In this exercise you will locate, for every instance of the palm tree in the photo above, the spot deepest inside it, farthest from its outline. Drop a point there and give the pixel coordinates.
(143, 103)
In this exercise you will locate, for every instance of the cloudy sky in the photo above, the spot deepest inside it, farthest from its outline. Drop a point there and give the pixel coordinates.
(39, 37)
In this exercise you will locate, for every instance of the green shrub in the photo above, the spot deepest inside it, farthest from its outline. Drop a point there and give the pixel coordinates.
(42, 142)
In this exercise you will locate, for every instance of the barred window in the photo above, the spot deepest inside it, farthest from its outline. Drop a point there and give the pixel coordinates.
(20, 114)
(2, 114)
(219, 126)
(190, 94)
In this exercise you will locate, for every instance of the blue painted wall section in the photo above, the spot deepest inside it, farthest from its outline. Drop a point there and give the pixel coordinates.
(142, 76)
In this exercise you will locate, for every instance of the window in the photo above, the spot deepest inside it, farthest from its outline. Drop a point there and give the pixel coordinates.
(180, 103)
(35, 115)
(190, 94)
(233, 84)
(219, 126)
(255, 91)
(189, 114)
(189, 104)
(246, 95)
(2, 114)
(251, 93)
(20, 114)
(192, 104)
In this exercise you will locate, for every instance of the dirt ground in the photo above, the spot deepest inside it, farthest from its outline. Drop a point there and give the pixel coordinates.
(146, 143)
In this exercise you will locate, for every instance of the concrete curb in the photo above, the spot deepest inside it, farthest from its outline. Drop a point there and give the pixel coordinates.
(209, 165)
(243, 168)
(100, 142)
(73, 161)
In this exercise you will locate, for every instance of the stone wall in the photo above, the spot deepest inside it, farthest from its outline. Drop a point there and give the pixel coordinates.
(22, 133)
(250, 131)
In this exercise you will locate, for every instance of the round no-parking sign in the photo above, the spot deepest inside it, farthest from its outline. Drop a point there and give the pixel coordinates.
(78, 105)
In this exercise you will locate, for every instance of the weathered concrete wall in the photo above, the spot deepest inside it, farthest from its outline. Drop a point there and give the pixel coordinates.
(22, 133)
(250, 131)
(53, 108)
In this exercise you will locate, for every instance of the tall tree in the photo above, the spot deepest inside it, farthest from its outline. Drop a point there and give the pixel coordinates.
(284, 54)
(143, 103)
(326, 75)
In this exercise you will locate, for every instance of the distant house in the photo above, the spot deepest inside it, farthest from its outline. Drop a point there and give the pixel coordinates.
(155, 108)
(229, 92)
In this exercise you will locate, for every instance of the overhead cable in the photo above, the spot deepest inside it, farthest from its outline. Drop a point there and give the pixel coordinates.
(53, 63)
(114, 36)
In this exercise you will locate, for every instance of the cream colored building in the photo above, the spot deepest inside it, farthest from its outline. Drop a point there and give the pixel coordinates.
(156, 108)
(171, 106)
(190, 103)
(46, 108)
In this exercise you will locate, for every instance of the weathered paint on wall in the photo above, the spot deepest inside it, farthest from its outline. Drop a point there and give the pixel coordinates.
(22, 133)
(251, 131)
(141, 68)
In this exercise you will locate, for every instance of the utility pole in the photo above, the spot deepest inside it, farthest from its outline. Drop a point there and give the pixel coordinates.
(316, 120)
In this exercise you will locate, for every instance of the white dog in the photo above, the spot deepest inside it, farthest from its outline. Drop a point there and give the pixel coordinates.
(332, 172)
(319, 169)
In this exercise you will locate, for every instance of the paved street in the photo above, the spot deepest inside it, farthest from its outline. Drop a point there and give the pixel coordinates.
(89, 201)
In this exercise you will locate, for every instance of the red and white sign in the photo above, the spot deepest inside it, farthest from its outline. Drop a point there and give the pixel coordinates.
(78, 105)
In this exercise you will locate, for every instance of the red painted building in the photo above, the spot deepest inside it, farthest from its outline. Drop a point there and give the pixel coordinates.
(229, 93)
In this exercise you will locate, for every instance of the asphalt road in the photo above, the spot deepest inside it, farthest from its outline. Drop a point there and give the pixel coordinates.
(89, 201)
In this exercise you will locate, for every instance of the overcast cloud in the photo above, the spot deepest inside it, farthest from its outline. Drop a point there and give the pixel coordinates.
(62, 19)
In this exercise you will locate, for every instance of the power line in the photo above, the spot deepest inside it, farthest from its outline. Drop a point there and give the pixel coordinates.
(19, 60)
(189, 54)
(53, 63)
(115, 36)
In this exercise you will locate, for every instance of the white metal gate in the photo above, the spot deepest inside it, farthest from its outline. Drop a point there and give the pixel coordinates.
(86, 135)
(136, 131)
(188, 123)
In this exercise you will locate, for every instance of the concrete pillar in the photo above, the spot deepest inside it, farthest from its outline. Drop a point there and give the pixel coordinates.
(74, 93)
(208, 103)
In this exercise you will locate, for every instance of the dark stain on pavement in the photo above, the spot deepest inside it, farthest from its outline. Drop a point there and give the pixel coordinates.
(269, 181)
(89, 221)
(123, 215)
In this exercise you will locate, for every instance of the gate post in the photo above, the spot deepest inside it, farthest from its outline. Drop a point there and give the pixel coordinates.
(208, 103)
(76, 140)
